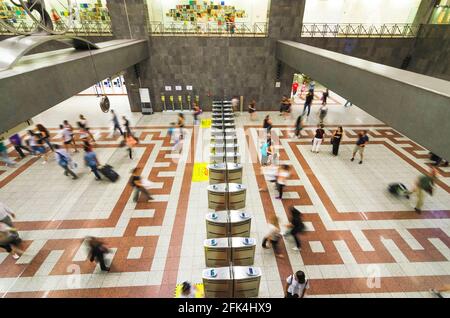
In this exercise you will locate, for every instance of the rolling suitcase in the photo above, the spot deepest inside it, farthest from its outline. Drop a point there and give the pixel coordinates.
(109, 173)
(399, 189)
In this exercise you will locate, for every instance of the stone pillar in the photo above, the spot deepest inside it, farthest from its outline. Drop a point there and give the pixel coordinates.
(424, 11)
(129, 21)
(285, 21)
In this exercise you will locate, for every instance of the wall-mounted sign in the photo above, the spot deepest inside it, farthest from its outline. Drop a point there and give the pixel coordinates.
(189, 88)
(168, 88)
(178, 88)
(145, 95)
(277, 84)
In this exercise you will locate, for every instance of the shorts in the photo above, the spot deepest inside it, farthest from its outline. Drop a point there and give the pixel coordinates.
(359, 149)
(68, 142)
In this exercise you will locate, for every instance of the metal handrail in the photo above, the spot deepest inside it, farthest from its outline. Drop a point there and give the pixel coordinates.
(208, 28)
(81, 28)
(387, 30)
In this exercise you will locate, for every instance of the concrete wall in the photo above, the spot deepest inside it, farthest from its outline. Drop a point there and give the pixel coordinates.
(220, 67)
(416, 105)
(390, 52)
(430, 51)
(431, 54)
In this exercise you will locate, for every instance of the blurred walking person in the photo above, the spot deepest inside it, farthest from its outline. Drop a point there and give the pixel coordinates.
(298, 125)
(141, 185)
(70, 129)
(16, 141)
(91, 161)
(83, 124)
(296, 227)
(6, 215)
(126, 124)
(97, 251)
(45, 135)
(116, 124)
(273, 236)
(10, 241)
(4, 155)
(64, 161)
(130, 141)
(282, 176)
(425, 183)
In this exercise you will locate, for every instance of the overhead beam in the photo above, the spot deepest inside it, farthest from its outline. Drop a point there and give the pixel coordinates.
(416, 105)
(40, 81)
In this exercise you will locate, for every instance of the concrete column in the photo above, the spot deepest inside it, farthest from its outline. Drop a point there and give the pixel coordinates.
(285, 22)
(424, 11)
(129, 21)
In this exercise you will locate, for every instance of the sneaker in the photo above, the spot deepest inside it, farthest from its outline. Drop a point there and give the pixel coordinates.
(295, 248)
(360, 162)
(435, 292)
(16, 256)
(44, 162)
(352, 159)
(107, 269)
(418, 210)
(278, 198)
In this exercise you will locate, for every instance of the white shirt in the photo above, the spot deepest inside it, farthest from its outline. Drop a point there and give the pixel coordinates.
(282, 176)
(66, 133)
(295, 287)
(270, 172)
(4, 211)
(146, 184)
(273, 231)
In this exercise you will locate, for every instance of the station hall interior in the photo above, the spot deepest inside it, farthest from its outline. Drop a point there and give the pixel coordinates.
(224, 149)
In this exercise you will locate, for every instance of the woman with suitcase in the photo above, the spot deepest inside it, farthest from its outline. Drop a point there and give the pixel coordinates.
(90, 158)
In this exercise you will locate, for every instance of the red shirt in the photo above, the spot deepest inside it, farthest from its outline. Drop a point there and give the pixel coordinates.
(294, 86)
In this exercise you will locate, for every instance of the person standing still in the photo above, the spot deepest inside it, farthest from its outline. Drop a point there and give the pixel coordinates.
(318, 138)
(90, 159)
(325, 95)
(336, 139)
(267, 124)
(361, 143)
(294, 88)
(308, 101)
(116, 124)
(97, 251)
(296, 285)
(252, 109)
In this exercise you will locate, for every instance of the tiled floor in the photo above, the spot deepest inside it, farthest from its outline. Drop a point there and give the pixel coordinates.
(359, 242)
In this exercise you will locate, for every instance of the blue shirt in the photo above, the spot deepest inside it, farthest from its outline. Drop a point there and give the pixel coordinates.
(90, 159)
(264, 148)
(362, 140)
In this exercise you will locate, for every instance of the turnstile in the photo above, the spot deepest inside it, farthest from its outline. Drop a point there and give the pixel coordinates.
(220, 172)
(220, 223)
(221, 157)
(222, 251)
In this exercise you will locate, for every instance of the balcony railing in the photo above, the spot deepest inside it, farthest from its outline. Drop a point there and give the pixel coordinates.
(360, 30)
(208, 29)
(85, 28)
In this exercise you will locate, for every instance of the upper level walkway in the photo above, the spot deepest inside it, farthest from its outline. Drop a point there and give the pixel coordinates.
(414, 104)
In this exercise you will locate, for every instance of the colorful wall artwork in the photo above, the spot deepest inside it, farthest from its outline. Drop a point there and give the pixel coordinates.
(203, 11)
